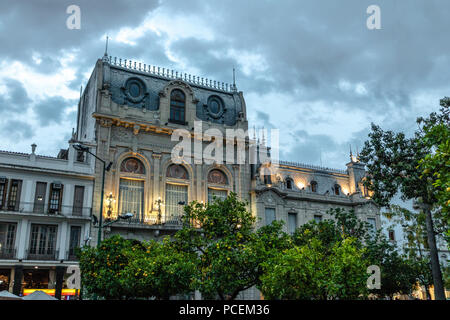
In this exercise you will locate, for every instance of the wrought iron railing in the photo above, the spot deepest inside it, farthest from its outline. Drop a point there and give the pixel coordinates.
(45, 208)
(7, 253)
(71, 256)
(170, 74)
(48, 256)
(310, 166)
(154, 219)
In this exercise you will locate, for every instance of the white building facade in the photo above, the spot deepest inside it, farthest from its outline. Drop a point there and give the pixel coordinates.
(45, 214)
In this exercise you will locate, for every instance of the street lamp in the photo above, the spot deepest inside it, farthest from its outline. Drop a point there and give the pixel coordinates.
(82, 148)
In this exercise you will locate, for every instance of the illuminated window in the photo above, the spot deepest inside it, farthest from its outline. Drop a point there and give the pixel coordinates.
(177, 106)
(337, 189)
(55, 201)
(314, 186)
(131, 197)
(175, 196)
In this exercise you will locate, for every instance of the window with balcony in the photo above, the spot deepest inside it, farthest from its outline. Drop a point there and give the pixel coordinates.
(39, 197)
(78, 198)
(175, 195)
(131, 197)
(42, 242)
(3, 188)
(14, 195)
(55, 200)
(177, 106)
(7, 240)
(74, 243)
(176, 192)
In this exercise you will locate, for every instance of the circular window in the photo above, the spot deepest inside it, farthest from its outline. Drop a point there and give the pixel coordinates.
(134, 89)
(215, 107)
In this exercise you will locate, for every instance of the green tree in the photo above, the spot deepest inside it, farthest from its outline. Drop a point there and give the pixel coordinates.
(222, 235)
(310, 271)
(436, 165)
(399, 275)
(414, 229)
(393, 166)
(102, 268)
(160, 271)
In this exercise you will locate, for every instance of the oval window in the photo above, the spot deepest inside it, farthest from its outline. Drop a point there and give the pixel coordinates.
(135, 90)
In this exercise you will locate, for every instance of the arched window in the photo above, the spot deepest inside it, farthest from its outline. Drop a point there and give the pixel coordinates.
(132, 165)
(217, 177)
(131, 188)
(289, 183)
(176, 193)
(177, 106)
(267, 177)
(177, 171)
(337, 189)
(314, 186)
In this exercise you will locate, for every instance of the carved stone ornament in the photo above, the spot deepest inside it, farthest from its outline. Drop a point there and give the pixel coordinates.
(177, 171)
(105, 122)
(132, 165)
(217, 177)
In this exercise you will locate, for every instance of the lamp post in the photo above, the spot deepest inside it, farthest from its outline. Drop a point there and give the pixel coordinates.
(81, 148)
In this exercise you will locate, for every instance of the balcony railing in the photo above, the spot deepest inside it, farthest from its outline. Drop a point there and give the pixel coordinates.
(7, 253)
(154, 219)
(52, 256)
(71, 256)
(45, 208)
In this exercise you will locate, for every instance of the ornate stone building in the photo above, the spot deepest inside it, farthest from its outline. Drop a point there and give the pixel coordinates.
(127, 114)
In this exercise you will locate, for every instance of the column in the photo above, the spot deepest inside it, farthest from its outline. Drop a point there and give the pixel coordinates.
(237, 180)
(22, 237)
(63, 241)
(18, 275)
(156, 173)
(60, 270)
(199, 183)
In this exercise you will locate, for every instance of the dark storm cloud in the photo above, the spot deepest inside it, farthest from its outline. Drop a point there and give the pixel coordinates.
(309, 46)
(17, 130)
(51, 110)
(311, 52)
(28, 26)
(15, 100)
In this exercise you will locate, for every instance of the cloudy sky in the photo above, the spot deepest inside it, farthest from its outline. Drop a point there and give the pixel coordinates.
(309, 68)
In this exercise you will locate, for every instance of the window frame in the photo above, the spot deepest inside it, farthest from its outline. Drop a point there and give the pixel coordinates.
(177, 107)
